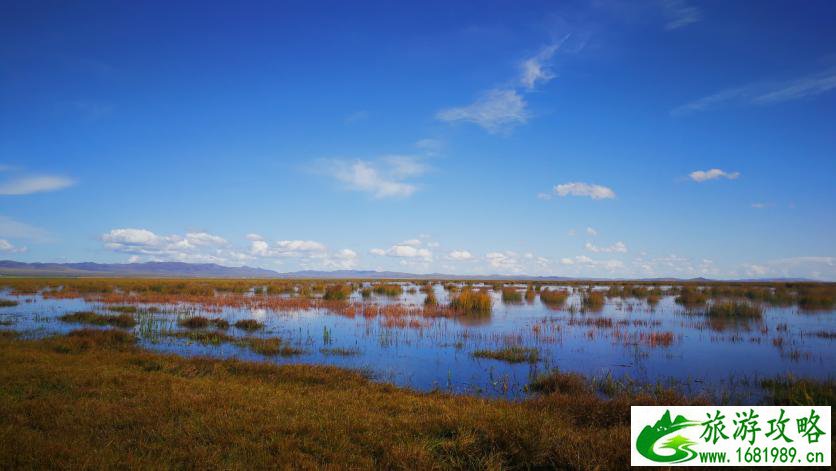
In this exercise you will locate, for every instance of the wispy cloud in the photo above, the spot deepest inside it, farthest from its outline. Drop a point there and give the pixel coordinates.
(12, 229)
(356, 117)
(430, 146)
(460, 255)
(700, 176)
(764, 93)
(34, 184)
(618, 247)
(679, 13)
(536, 69)
(596, 192)
(582, 261)
(385, 178)
(199, 247)
(497, 111)
(8, 247)
(817, 267)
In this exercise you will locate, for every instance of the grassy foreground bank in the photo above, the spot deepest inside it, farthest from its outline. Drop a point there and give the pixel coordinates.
(92, 399)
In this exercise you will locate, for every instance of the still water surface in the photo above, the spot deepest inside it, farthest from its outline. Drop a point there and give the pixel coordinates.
(626, 338)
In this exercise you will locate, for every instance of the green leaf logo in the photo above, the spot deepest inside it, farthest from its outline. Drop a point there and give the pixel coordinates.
(662, 428)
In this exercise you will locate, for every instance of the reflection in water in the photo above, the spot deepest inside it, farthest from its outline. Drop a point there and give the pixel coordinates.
(649, 339)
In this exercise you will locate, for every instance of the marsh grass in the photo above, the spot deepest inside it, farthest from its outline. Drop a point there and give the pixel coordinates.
(791, 391)
(511, 295)
(7, 302)
(90, 317)
(691, 297)
(735, 309)
(560, 382)
(208, 414)
(513, 354)
(125, 309)
(816, 298)
(337, 292)
(64, 397)
(270, 346)
(554, 298)
(593, 301)
(200, 322)
(430, 299)
(249, 324)
(388, 289)
(472, 302)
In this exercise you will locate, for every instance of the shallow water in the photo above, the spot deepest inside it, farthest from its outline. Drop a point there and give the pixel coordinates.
(436, 353)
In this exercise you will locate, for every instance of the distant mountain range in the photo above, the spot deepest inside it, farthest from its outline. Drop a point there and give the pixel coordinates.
(211, 270)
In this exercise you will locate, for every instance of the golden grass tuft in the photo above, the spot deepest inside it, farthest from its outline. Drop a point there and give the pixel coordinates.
(470, 301)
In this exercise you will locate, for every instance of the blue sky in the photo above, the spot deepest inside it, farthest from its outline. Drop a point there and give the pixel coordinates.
(607, 138)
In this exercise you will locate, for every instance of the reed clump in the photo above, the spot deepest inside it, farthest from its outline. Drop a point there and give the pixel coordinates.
(511, 295)
(388, 289)
(337, 292)
(271, 347)
(560, 382)
(470, 301)
(249, 324)
(816, 298)
(592, 301)
(735, 309)
(200, 322)
(512, 354)
(7, 302)
(430, 299)
(90, 317)
(554, 298)
(691, 297)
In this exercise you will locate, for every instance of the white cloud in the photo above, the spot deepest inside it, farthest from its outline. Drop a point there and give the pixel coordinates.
(507, 261)
(596, 192)
(584, 262)
(591, 232)
(34, 184)
(764, 93)
(536, 69)
(200, 247)
(412, 242)
(284, 248)
(460, 255)
(680, 13)
(700, 176)
(497, 111)
(344, 259)
(383, 179)
(8, 247)
(618, 247)
(404, 250)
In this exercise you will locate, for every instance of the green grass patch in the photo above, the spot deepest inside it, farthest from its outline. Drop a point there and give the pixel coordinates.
(513, 354)
(92, 318)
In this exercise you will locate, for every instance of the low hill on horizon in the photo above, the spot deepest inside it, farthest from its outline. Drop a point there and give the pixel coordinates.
(212, 270)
